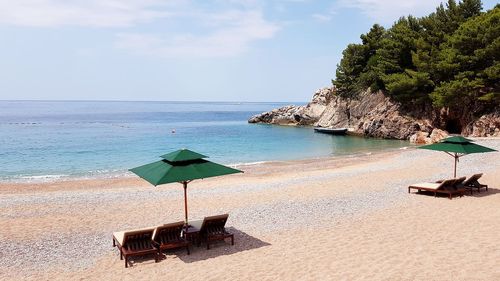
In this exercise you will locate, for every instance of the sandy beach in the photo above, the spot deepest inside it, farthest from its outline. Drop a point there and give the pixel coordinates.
(341, 218)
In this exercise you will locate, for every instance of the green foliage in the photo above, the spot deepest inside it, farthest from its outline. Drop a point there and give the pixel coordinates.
(409, 86)
(356, 70)
(349, 69)
(447, 92)
(449, 57)
(471, 57)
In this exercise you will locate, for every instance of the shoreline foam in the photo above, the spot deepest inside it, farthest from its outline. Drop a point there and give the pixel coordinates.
(97, 175)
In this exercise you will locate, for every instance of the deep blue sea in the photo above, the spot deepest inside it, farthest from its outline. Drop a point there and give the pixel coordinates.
(58, 139)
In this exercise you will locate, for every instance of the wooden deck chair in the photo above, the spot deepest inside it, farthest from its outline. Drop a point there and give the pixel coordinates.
(450, 187)
(135, 243)
(473, 182)
(169, 236)
(213, 229)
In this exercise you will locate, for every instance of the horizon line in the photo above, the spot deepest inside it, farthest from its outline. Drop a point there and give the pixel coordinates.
(173, 101)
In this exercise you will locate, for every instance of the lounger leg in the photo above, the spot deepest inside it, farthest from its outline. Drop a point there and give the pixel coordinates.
(121, 254)
(408, 192)
(126, 261)
(114, 245)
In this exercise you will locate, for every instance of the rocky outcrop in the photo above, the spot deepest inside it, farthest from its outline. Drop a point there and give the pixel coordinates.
(424, 137)
(487, 125)
(297, 115)
(374, 115)
(370, 114)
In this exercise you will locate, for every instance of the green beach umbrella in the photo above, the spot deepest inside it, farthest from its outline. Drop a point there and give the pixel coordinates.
(457, 147)
(181, 166)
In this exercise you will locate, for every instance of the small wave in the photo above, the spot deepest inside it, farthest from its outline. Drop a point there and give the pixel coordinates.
(247, 164)
(36, 178)
(44, 177)
(98, 174)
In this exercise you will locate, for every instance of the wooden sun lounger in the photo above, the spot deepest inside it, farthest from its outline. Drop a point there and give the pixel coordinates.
(213, 229)
(450, 187)
(168, 236)
(473, 182)
(135, 243)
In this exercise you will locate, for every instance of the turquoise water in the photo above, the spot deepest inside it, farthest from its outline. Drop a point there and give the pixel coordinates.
(53, 139)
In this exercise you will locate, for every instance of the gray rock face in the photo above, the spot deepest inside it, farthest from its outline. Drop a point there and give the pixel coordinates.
(487, 125)
(297, 115)
(371, 114)
(374, 115)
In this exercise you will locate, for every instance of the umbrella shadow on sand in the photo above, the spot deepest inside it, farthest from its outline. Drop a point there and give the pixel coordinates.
(242, 242)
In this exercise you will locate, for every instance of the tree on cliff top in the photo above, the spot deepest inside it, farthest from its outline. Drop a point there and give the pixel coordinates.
(449, 58)
(356, 69)
(471, 58)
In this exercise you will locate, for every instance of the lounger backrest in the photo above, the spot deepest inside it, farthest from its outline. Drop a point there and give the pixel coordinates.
(446, 183)
(472, 179)
(138, 240)
(457, 184)
(459, 181)
(214, 224)
(169, 233)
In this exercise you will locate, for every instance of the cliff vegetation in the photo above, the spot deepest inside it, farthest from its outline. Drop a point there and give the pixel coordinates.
(448, 59)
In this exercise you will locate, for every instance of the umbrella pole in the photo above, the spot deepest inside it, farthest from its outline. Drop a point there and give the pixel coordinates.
(185, 202)
(456, 159)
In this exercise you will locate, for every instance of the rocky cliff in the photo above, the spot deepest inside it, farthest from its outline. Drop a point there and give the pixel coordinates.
(297, 115)
(376, 115)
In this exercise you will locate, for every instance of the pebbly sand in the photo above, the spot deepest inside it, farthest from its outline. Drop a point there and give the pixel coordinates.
(347, 218)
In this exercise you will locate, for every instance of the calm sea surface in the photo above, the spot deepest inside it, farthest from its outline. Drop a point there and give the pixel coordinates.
(56, 139)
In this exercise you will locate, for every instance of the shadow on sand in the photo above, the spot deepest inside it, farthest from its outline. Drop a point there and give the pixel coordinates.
(483, 193)
(242, 242)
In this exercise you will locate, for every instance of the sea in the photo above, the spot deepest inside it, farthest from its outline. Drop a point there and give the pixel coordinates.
(53, 140)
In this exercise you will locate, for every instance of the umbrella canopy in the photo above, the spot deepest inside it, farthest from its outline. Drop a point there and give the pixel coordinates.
(181, 166)
(457, 147)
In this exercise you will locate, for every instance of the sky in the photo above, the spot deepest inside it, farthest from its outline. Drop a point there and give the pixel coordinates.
(181, 50)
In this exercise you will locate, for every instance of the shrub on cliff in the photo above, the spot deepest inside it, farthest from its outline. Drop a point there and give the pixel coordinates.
(450, 58)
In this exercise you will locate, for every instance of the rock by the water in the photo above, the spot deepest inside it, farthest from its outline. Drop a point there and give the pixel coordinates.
(424, 137)
(486, 126)
(371, 114)
(374, 114)
(419, 137)
(297, 115)
(437, 135)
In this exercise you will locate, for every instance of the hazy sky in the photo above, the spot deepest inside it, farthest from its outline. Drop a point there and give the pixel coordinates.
(213, 50)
